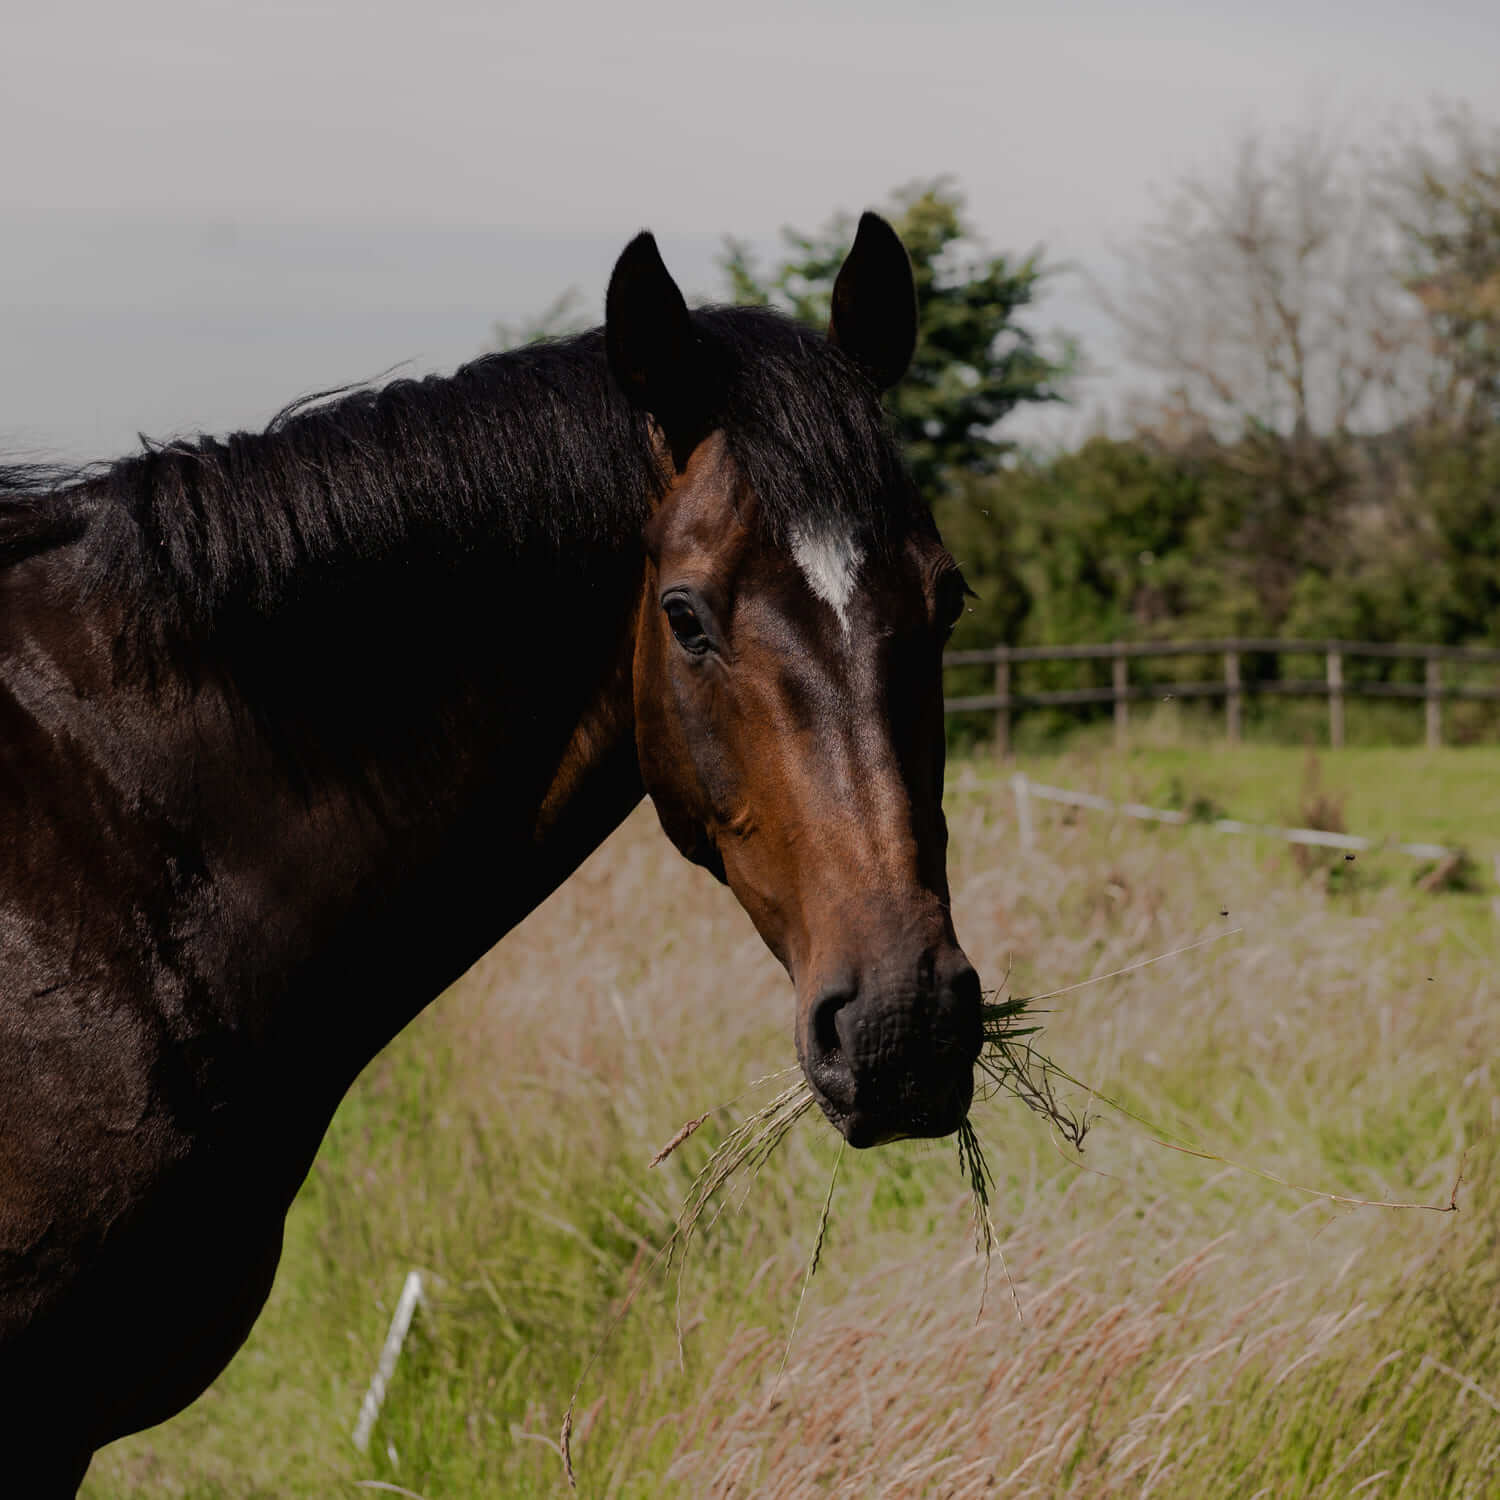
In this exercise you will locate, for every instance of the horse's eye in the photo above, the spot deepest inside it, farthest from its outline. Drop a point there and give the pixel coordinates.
(951, 593)
(685, 625)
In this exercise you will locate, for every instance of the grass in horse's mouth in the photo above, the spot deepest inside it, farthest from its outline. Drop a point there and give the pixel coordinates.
(1009, 1063)
(746, 1148)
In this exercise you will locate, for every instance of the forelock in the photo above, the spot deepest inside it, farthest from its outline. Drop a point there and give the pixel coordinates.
(807, 434)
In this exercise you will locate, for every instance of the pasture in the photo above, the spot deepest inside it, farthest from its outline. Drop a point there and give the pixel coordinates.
(1162, 1324)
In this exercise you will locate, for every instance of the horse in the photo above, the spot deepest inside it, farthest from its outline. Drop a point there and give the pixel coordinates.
(296, 725)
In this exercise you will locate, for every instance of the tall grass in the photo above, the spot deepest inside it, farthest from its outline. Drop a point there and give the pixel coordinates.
(1184, 1329)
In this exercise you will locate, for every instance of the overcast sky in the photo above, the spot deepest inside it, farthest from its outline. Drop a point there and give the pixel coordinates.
(207, 208)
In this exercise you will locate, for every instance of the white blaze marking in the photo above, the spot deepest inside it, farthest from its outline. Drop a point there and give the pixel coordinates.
(830, 562)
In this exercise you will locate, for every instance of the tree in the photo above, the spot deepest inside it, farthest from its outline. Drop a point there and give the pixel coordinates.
(1445, 191)
(974, 362)
(1270, 302)
(1270, 299)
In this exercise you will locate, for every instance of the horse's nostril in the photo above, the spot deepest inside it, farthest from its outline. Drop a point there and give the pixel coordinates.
(965, 987)
(965, 1013)
(825, 1017)
(827, 1063)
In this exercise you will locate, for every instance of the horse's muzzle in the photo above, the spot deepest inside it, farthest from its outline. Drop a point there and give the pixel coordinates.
(891, 1061)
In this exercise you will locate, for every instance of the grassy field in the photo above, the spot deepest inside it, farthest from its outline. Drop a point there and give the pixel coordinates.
(1163, 1324)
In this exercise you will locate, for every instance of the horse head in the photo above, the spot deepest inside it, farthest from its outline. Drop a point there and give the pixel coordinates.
(788, 697)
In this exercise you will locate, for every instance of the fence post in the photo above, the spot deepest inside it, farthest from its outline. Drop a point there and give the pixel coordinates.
(1434, 703)
(1002, 710)
(369, 1408)
(1232, 697)
(1336, 699)
(1023, 808)
(1120, 678)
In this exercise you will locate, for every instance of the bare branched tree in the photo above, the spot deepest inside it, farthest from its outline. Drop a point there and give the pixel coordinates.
(1444, 192)
(1269, 298)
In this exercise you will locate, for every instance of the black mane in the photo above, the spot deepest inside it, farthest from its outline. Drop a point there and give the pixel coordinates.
(534, 448)
(32, 519)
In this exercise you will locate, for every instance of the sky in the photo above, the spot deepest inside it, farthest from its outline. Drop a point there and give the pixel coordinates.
(210, 208)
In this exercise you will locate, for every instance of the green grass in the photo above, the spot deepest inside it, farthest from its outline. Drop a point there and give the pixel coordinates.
(1187, 1328)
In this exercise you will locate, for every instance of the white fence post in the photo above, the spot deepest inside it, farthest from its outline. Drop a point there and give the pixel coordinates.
(1120, 687)
(1232, 698)
(369, 1408)
(1336, 700)
(1019, 786)
(1002, 711)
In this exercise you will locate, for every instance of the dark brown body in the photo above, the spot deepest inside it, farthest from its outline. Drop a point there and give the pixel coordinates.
(180, 1066)
(243, 839)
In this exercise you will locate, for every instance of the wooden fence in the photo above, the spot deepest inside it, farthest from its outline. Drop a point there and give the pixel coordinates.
(1432, 691)
(1025, 789)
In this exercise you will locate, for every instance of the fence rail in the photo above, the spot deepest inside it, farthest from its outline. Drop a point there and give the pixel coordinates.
(1025, 788)
(1432, 691)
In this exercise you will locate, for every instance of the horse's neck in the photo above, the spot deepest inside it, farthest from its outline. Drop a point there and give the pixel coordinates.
(298, 899)
(535, 771)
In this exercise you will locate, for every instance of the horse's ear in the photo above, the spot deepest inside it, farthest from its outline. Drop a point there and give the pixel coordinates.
(875, 303)
(648, 332)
